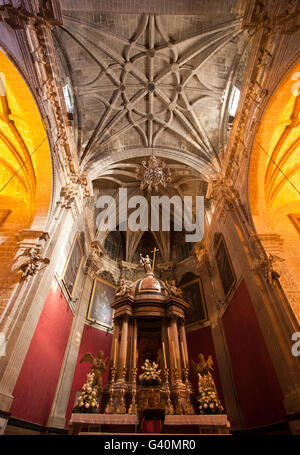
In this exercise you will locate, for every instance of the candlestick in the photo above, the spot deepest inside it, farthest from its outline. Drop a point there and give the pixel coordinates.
(164, 352)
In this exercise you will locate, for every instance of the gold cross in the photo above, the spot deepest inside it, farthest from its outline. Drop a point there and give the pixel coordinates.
(154, 253)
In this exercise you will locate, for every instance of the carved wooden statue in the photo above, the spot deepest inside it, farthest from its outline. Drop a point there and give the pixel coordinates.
(172, 289)
(203, 367)
(98, 367)
(146, 263)
(123, 289)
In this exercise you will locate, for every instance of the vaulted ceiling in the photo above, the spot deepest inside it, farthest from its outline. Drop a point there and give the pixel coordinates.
(146, 83)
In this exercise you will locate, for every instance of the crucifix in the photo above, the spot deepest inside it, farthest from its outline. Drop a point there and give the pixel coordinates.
(154, 253)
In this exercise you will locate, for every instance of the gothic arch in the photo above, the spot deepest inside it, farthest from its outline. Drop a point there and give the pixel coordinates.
(25, 168)
(274, 182)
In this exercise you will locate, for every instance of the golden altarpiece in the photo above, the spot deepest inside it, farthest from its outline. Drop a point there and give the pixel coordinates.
(152, 308)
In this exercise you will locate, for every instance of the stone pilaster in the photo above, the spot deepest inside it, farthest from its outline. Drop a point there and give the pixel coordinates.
(57, 417)
(30, 302)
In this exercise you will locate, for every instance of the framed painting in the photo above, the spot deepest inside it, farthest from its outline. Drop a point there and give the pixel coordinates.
(72, 267)
(224, 267)
(193, 293)
(99, 310)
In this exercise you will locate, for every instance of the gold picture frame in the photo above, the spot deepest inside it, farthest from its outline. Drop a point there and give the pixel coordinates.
(73, 265)
(193, 292)
(224, 266)
(99, 310)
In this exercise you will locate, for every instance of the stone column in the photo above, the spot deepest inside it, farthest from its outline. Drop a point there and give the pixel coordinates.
(61, 400)
(31, 304)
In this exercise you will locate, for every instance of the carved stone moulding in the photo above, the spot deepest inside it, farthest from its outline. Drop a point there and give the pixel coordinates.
(31, 235)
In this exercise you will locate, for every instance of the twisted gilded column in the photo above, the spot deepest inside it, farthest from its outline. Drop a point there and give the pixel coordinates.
(123, 348)
(183, 344)
(175, 347)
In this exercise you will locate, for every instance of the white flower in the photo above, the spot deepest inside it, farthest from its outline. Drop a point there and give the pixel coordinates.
(87, 405)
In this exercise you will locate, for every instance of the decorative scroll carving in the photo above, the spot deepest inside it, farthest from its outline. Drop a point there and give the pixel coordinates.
(41, 11)
(68, 194)
(107, 276)
(225, 196)
(81, 179)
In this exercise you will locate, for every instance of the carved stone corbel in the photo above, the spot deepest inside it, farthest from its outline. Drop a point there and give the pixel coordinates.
(33, 261)
(266, 268)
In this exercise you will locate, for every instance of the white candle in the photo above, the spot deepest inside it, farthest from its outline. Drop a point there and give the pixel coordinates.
(134, 348)
(164, 352)
(115, 353)
(175, 363)
(183, 356)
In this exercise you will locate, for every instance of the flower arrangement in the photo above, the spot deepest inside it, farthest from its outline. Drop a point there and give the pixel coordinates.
(150, 375)
(87, 400)
(209, 402)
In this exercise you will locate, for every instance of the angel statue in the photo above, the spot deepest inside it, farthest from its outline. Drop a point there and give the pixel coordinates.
(98, 368)
(209, 402)
(203, 367)
(123, 289)
(172, 289)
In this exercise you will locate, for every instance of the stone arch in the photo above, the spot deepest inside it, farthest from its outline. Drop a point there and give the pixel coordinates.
(25, 170)
(274, 183)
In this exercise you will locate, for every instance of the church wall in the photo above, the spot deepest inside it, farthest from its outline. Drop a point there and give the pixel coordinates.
(259, 392)
(93, 340)
(201, 341)
(36, 384)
